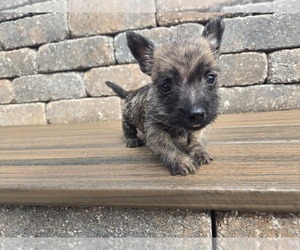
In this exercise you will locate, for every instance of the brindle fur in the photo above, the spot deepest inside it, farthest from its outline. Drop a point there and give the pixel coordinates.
(181, 100)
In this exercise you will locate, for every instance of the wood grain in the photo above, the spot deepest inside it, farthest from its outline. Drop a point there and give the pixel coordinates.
(256, 167)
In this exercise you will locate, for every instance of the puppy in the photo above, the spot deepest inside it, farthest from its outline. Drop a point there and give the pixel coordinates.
(181, 100)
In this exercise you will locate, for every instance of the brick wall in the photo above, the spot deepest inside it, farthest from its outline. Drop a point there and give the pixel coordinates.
(55, 58)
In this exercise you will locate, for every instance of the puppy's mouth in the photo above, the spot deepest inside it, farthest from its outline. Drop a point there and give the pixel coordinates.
(196, 126)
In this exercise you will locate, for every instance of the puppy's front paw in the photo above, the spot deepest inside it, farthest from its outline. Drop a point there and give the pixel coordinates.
(199, 156)
(183, 165)
(134, 142)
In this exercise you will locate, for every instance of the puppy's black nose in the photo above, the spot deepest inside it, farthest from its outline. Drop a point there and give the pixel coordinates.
(197, 115)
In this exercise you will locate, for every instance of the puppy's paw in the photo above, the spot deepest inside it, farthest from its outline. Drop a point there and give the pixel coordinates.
(199, 156)
(134, 142)
(183, 165)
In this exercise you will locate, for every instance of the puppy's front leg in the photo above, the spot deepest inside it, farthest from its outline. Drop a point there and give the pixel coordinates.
(163, 145)
(196, 148)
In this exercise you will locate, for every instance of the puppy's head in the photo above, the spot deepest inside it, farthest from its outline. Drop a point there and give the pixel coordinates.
(184, 75)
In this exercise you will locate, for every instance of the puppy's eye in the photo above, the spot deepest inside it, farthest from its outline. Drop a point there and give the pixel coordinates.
(166, 86)
(211, 79)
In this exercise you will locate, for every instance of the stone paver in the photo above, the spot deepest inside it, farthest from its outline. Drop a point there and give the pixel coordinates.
(128, 77)
(76, 54)
(287, 6)
(175, 18)
(184, 5)
(7, 94)
(7, 16)
(96, 23)
(23, 221)
(17, 63)
(159, 35)
(5, 4)
(284, 66)
(32, 31)
(243, 69)
(257, 224)
(22, 114)
(262, 32)
(83, 110)
(45, 88)
(115, 6)
(260, 98)
(44, 6)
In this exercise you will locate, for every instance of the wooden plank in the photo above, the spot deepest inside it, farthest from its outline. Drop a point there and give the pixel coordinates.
(256, 167)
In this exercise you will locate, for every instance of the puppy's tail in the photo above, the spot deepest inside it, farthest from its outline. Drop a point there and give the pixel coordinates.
(122, 93)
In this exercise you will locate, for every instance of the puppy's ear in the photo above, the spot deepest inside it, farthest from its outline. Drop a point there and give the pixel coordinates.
(213, 32)
(142, 49)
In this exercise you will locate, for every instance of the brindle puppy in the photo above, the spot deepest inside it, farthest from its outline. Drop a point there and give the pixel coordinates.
(181, 100)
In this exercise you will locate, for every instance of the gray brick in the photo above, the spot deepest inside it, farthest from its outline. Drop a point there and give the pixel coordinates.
(265, 7)
(284, 66)
(76, 54)
(159, 35)
(261, 32)
(128, 76)
(236, 224)
(7, 16)
(136, 224)
(115, 6)
(38, 1)
(17, 63)
(44, 88)
(260, 98)
(7, 94)
(22, 114)
(86, 24)
(84, 110)
(8, 4)
(32, 31)
(186, 5)
(175, 18)
(54, 6)
(243, 69)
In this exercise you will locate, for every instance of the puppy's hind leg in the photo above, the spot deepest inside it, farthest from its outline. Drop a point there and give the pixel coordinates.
(130, 133)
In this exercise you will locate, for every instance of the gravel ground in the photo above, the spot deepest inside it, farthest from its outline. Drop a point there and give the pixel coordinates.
(34, 221)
